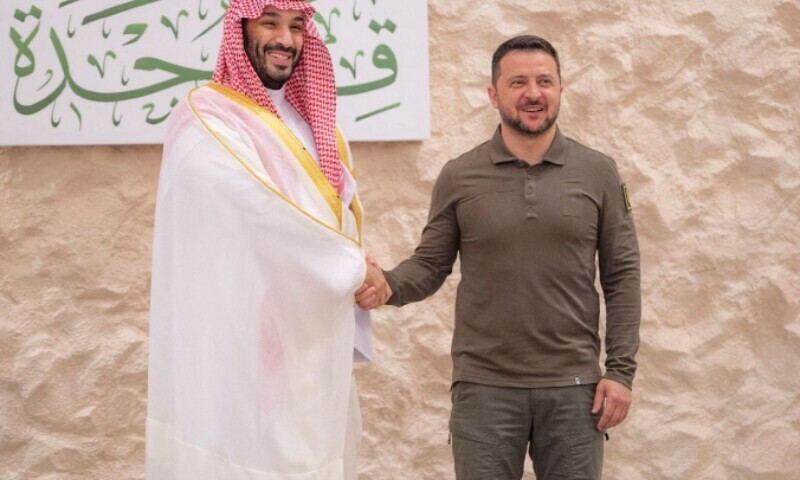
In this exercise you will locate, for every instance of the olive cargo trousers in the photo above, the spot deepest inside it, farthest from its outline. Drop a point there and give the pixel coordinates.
(493, 427)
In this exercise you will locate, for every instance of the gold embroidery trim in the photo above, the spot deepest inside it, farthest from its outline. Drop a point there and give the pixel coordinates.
(257, 174)
(290, 140)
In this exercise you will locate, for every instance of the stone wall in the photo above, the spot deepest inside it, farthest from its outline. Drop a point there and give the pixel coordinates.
(698, 105)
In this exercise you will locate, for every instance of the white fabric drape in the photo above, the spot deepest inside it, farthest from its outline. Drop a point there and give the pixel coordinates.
(252, 321)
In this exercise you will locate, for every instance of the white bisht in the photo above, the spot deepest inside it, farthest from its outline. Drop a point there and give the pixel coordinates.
(255, 262)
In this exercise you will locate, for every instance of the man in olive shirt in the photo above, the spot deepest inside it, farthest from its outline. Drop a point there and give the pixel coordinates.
(528, 211)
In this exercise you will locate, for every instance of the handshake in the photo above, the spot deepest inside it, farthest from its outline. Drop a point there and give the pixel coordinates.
(375, 291)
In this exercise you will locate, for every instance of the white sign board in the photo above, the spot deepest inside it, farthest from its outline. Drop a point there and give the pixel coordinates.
(98, 72)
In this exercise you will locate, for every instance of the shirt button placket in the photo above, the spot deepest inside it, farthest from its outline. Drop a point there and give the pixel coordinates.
(530, 194)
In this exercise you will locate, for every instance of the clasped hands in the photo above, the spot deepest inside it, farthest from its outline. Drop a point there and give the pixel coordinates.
(375, 291)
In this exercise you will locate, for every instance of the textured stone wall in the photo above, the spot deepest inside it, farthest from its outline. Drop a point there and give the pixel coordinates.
(698, 104)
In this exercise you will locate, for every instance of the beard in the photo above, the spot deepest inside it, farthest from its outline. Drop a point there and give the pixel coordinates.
(517, 125)
(272, 78)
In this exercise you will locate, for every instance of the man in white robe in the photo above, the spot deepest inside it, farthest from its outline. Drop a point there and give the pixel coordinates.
(256, 256)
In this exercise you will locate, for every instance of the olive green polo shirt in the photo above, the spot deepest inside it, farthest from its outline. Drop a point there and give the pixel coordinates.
(527, 310)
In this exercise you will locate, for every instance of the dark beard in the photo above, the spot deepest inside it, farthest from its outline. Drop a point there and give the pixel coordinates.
(268, 80)
(271, 82)
(519, 127)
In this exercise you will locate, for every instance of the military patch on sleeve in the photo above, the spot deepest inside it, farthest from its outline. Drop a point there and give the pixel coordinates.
(626, 198)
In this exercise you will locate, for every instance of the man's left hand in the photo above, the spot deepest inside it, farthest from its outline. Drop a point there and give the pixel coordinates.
(615, 399)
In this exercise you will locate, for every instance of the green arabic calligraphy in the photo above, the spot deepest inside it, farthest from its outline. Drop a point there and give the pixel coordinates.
(21, 16)
(136, 30)
(150, 107)
(53, 85)
(383, 58)
(327, 25)
(77, 114)
(116, 121)
(55, 123)
(70, 30)
(216, 22)
(378, 111)
(110, 12)
(200, 13)
(377, 27)
(351, 66)
(101, 67)
(174, 26)
(49, 75)
(180, 75)
(24, 52)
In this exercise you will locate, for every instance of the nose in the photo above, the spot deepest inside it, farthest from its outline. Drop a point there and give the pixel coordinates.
(532, 91)
(283, 37)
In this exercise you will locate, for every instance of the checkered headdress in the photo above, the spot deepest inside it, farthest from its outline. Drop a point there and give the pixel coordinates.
(311, 89)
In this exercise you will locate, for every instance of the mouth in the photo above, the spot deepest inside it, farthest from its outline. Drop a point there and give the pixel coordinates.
(533, 108)
(280, 58)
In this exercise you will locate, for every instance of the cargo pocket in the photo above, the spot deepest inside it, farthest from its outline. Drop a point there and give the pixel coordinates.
(584, 442)
(476, 455)
(571, 193)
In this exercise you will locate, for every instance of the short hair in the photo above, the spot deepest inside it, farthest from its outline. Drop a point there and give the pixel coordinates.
(522, 42)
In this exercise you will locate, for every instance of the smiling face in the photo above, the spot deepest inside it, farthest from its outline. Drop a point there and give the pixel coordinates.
(527, 92)
(274, 43)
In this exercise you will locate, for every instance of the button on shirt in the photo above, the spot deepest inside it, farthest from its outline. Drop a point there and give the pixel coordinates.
(527, 311)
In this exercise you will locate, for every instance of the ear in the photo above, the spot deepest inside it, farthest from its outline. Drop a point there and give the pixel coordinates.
(492, 95)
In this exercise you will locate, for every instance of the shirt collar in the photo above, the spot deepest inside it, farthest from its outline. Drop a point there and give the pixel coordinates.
(499, 153)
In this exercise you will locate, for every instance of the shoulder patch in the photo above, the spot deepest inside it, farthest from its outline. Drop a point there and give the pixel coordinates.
(626, 198)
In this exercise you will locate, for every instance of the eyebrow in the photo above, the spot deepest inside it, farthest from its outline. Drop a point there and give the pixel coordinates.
(298, 18)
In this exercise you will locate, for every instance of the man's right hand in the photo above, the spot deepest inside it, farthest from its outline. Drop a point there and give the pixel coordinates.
(375, 291)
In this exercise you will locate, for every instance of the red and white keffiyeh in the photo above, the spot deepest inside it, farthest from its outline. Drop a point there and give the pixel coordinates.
(311, 89)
